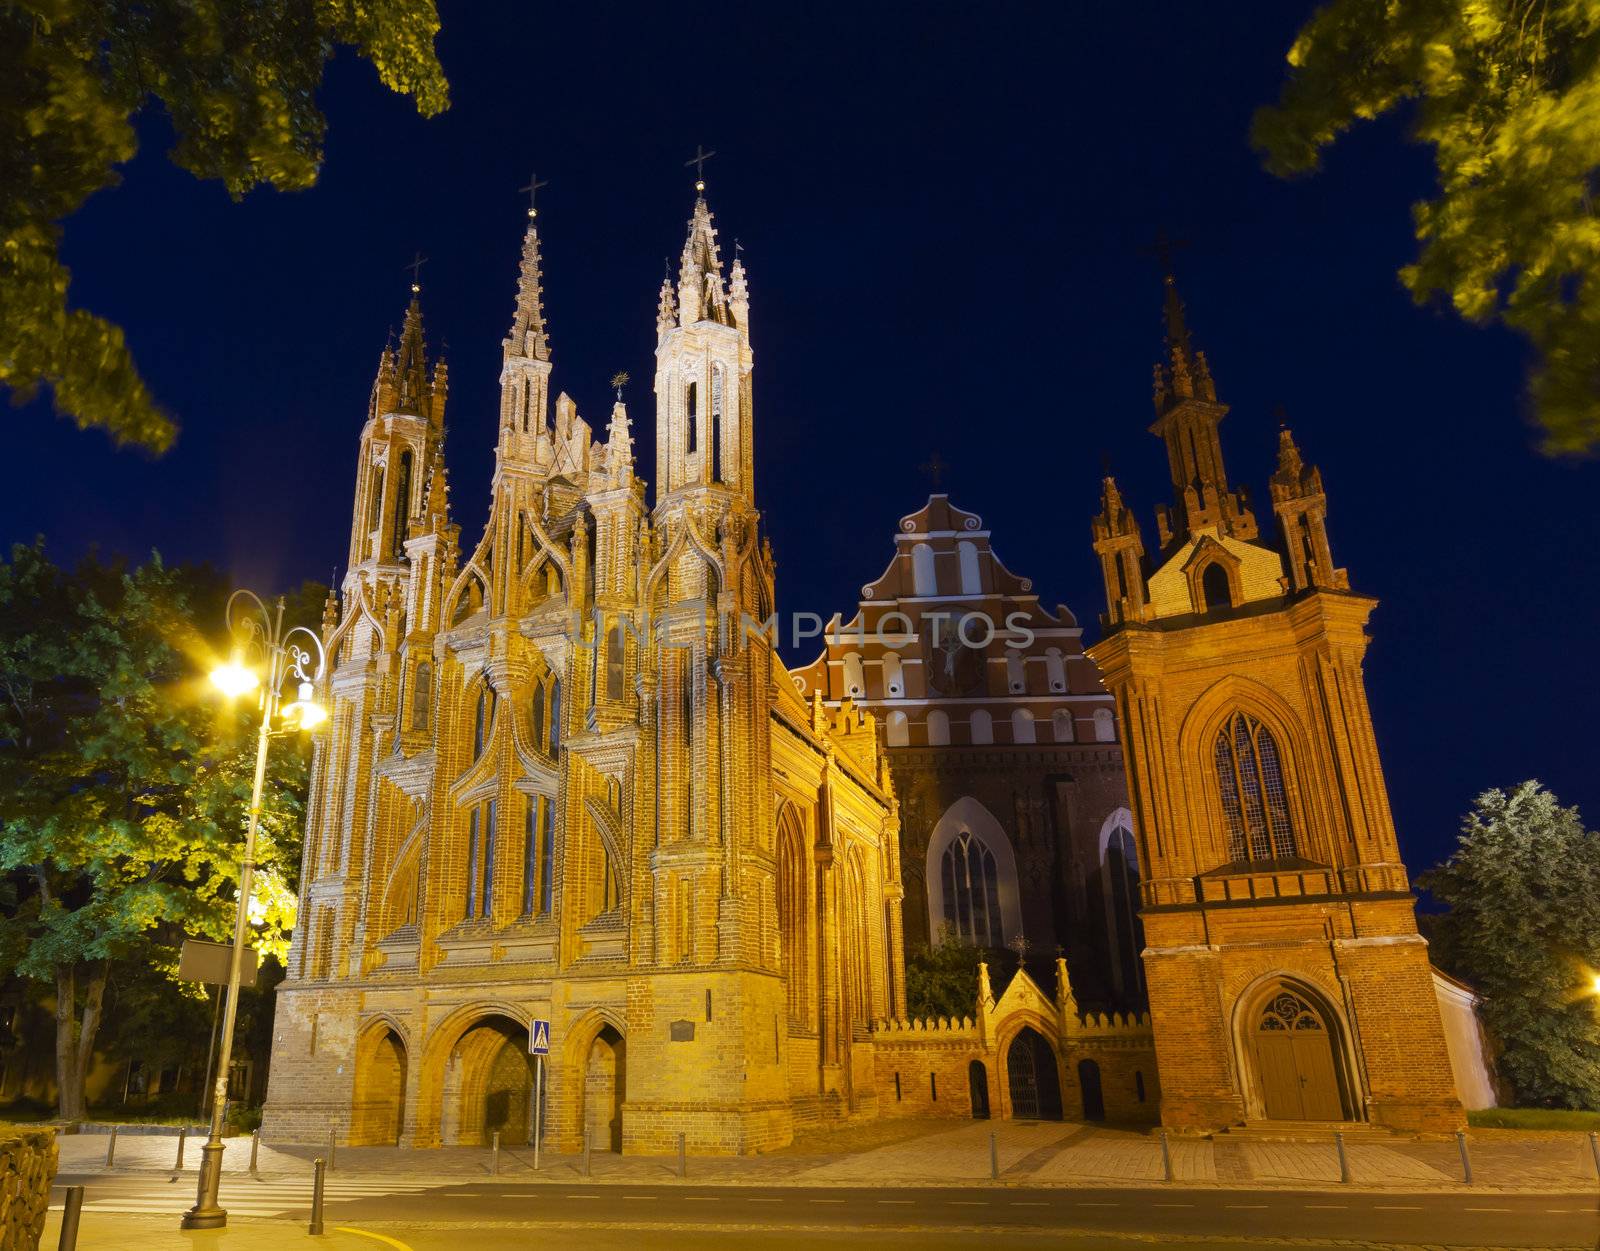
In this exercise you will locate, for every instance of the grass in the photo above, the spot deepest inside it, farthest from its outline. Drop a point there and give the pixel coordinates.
(1533, 1118)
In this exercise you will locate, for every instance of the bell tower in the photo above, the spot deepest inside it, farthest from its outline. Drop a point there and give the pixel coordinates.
(1287, 979)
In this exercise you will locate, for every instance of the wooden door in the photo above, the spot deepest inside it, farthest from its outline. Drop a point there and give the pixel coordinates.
(1294, 1059)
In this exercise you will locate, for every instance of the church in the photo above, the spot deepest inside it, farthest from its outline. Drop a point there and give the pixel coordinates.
(568, 780)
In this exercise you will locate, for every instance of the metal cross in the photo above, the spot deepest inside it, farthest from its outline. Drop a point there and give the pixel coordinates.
(698, 160)
(1162, 248)
(934, 468)
(417, 262)
(533, 188)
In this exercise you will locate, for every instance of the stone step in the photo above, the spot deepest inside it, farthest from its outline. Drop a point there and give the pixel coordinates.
(1301, 1131)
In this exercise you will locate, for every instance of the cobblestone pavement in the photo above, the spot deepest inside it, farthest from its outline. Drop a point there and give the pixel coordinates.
(1038, 1153)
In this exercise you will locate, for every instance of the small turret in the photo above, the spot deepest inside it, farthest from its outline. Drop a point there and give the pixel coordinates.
(1302, 511)
(1121, 550)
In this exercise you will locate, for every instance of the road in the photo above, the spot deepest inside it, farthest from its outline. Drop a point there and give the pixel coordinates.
(460, 1215)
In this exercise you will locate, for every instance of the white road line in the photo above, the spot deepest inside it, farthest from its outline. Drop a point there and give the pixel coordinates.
(824, 1200)
(905, 1202)
(709, 1199)
(1486, 1209)
(582, 1196)
(1016, 1203)
(968, 1203)
(1327, 1207)
(753, 1200)
(1172, 1205)
(646, 1198)
(1099, 1205)
(1245, 1207)
(1394, 1207)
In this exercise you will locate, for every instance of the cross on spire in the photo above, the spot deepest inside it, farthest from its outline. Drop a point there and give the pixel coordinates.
(533, 188)
(417, 262)
(934, 468)
(698, 160)
(1162, 247)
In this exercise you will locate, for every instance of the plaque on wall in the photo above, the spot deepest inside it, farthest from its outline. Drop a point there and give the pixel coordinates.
(682, 1031)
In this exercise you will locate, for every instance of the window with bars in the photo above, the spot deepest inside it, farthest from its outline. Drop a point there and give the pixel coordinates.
(482, 720)
(1250, 778)
(971, 882)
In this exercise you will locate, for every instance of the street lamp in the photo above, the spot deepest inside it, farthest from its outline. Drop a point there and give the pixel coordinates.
(264, 656)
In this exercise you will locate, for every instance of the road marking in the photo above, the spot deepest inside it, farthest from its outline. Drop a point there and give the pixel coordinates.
(1327, 1207)
(906, 1202)
(705, 1199)
(1172, 1205)
(1492, 1209)
(967, 1203)
(582, 1196)
(763, 1200)
(1394, 1207)
(1099, 1205)
(362, 1233)
(1245, 1207)
(824, 1200)
(1016, 1203)
(646, 1198)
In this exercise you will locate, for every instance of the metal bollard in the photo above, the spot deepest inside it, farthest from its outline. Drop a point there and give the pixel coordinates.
(1344, 1160)
(683, 1159)
(333, 1146)
(255, 1147)
(71, 1211)
(586, 1153)
(1594, 1150)
(316, 1197)
(183, 1132)
(1466, 1160)
(994, 1156)
(111, 1148)
(1166, 1157)
(494, 1155)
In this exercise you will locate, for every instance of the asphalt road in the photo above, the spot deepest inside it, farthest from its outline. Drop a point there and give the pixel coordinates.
(486, 1213)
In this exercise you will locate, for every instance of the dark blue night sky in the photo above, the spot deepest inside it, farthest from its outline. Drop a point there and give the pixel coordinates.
(943, 209)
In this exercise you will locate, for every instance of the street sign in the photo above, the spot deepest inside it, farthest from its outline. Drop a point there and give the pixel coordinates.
(200, 961)
(539, 1038)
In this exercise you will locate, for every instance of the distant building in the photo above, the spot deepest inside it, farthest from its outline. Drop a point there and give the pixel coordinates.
(1014, 825)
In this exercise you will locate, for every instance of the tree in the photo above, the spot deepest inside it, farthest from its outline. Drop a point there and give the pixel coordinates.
(123, 789)
(942, 980)
(1507, 93)
(1523, 891)
(238, 81)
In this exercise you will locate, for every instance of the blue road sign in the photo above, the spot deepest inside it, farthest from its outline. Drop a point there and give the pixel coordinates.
(539, 1038)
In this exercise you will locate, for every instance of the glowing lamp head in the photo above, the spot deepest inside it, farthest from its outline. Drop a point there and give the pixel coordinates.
(1594, 984)
(235, 678)
(305, 712)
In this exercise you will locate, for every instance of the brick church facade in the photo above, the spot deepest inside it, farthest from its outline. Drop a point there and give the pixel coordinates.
(567, 781)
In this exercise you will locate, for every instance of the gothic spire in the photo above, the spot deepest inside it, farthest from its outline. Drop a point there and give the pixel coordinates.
(702, 295)
(528, 337)
(411, 362)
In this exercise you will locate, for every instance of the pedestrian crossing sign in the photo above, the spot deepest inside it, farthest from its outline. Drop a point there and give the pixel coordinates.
(539, 1038)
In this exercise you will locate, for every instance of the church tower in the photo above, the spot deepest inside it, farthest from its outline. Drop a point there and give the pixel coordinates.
(1287, 980)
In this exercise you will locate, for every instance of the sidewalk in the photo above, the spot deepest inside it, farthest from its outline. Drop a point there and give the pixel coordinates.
(940, 1153)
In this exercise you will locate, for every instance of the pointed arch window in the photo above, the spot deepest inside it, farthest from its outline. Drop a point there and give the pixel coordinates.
(716, 423)
(971, 881)
(482, 721)
(536, 719)
(692, 407)
(402, 507)
(555, 715)
(1254, 803)
(421, 695)
(616, 660)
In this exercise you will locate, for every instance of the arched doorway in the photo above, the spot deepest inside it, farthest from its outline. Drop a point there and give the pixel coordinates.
(378, 1117)
(978, 1081)
(489, 1084)
(1292, 1040)
(604, 1089)
(1094, 1102)
(1032, 1078)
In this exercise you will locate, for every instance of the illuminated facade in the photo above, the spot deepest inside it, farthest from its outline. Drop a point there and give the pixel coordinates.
(1287, 979)
(563, 784)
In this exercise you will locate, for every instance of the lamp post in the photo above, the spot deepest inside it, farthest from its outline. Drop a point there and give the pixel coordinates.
(264, 656)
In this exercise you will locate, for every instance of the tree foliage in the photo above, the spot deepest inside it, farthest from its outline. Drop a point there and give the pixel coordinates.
(943, 980)
(124, 789)
(1523, 890)
(237, 79)
(1507, 93)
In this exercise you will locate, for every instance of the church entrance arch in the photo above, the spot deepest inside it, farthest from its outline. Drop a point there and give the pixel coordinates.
(604, 1089)
(1032, 1078)
(378, 1116)
(978, 1082)
(1292, 1040)
(488, 1084)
